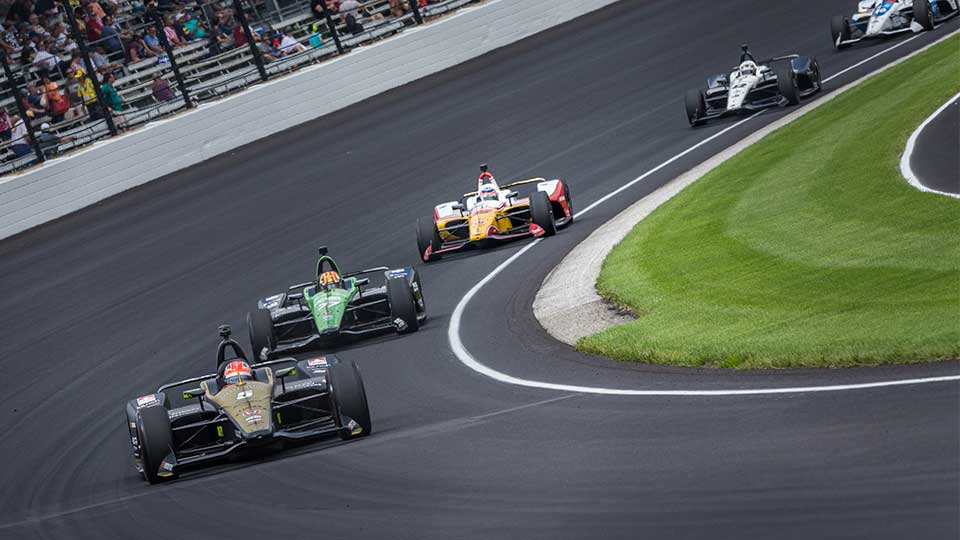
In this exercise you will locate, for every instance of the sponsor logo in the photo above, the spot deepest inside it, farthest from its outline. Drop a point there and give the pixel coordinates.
(244, 394)
(253, 416)
(321, 361)
(146, 401)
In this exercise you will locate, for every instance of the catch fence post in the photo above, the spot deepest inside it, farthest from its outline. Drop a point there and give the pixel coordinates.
(257, 56)
(19, 101)
(162, 35)
(332, 27)
(91, 69)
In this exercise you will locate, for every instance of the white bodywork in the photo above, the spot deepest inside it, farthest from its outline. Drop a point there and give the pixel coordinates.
(884, 17)
(743, 80)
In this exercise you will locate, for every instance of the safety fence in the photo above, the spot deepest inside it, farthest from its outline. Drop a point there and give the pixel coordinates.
(87, 71)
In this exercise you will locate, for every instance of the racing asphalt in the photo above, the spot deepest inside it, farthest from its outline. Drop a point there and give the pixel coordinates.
(110, 302)
(935, 159)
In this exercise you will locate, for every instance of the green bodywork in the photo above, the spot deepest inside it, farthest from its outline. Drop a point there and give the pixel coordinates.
(328, 305)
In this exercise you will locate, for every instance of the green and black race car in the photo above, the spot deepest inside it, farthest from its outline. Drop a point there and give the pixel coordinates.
(336, 305)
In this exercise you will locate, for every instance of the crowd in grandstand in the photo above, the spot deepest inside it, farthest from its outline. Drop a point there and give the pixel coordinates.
(121, 36)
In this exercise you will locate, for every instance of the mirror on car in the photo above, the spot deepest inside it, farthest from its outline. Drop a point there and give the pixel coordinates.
(193, 393)
(459, 206)
(363, 281)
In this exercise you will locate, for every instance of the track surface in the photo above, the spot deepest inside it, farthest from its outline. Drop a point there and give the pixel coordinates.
(110, 302)
(935, 159)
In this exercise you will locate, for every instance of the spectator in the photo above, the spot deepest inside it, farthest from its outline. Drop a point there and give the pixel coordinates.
(101, 62)
(399, 8)
(45, 59)
(137, 49)
(19, 138)
(87, 94)
(172, 36)
(161, 89)
(110, 95)
(94, 27)
(152, 41)
(57, 104)
(34, 102)
(316, 8)
(35, 26)
(5, 126)
(287, 45)
(239, 36)
(75, 63)
(350, 7)
(266, 51)
(47, 8)
(193, 28)
(111, 36)
(94, 9)
(50, 142)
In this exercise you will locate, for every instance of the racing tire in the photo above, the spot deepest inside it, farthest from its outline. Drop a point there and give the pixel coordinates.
(260, 326)
(923, 14)
(566, 195)
(351, 396)
(156, 441)
(402, 304)
(695, 105)
(839, 30)
(427, 236)
(541, 213)
(787, 84)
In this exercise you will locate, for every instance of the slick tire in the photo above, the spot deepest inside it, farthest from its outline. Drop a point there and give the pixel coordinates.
(427, 236)
(566, 195)
(839, 30)
(923, 14)
(787, 84)
(351, 397)
(403, 306)
(541, 213)
(260, 326)
(695, 105)
(156, 441)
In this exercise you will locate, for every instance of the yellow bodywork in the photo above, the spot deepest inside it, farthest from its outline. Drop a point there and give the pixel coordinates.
(479, 221)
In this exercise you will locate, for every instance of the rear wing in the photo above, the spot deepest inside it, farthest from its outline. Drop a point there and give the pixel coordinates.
(511, 184)
(366, 271)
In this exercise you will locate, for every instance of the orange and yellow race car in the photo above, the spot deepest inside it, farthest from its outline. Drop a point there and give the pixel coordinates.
(493, 213)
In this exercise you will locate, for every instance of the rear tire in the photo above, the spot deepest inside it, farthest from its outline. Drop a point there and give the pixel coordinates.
(156, 440)
(840, 30)
(566, 195)
(427, 236)
(923, 14)
(787, 84)
(260, 326)
(695, 105)
(541, 213)
(351, 396)
(402, 304)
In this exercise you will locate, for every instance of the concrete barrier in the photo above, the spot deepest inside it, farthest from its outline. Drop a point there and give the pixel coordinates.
(109, 167)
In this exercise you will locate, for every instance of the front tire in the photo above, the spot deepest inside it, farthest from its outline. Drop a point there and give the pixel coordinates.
(427, 236)
(923, 14)
(695, 105)
(156, 441)
(840, 30)
(351, 396)
(566, 195)
(542, 214)
(262, 336)
(787, 84)
(402, 304)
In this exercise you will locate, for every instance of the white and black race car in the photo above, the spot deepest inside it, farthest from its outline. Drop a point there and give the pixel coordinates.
(881, 18)
(754, 85)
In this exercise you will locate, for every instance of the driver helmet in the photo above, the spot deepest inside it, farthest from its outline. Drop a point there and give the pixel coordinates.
(488, 193)
(329, 279)
(237, 371)
(748, 68)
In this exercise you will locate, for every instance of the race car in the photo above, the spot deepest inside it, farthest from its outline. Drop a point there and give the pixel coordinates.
(881, 18)
(495, 213)
(334, 306)
(754, 85)
(242, 407)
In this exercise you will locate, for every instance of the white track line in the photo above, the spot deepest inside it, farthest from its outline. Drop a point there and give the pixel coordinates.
(467, 359)
(905, 169)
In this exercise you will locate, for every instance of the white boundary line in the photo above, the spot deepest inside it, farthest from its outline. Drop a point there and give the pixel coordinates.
(467, 359)
(906, 170)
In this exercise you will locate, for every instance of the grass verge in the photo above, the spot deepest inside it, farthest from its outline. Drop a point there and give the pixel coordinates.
(808, 249)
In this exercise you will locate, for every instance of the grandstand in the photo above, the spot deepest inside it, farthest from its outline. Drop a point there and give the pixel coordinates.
(107, 66)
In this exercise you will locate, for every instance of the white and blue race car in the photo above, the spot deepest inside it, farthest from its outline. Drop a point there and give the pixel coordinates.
(881, 18)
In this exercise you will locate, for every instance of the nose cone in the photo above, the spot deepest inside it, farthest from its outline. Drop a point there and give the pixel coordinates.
(481, 224)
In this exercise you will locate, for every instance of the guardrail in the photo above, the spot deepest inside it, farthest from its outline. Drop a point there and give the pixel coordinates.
(110, 92)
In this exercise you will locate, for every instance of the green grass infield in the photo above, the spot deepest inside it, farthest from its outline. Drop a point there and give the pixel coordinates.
(808, 249)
